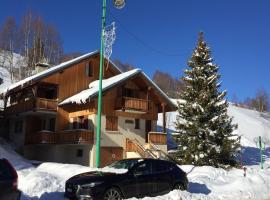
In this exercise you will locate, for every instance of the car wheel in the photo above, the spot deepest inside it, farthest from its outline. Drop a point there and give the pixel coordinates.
(113, 194)
(178, 186)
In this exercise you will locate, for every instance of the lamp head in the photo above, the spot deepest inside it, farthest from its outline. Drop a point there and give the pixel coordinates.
(119, 3)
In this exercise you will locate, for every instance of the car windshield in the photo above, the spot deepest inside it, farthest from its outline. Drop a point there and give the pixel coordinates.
(123, 164)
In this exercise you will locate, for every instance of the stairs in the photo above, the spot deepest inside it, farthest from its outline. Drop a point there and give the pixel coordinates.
(135, 149)
(135, 146)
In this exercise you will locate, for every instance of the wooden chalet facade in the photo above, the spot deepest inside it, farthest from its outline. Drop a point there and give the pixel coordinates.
(47, 124)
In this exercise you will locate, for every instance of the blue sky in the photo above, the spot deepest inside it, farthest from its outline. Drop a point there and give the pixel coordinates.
(159, 34)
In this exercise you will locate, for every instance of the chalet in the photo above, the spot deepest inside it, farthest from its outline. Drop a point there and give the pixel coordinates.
(53, 115)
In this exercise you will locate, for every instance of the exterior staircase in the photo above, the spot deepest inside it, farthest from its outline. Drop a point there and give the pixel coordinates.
(135, 149)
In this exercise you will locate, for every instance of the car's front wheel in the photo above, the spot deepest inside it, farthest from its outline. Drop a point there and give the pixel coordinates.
(113, 194)
(179, 186)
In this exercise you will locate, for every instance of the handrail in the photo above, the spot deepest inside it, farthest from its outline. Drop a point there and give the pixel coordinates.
(156, 148)
(145, 153)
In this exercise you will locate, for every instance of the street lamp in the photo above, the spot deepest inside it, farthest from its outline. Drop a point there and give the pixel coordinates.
(118, 4)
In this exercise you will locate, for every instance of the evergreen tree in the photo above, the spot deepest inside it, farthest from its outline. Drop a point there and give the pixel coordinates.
(204, 128)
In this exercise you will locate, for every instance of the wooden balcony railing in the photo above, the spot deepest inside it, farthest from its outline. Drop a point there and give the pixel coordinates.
(42, 137)
(79, 136)
(33, 104)
(133, 104)
(46, 104)
(157, 138)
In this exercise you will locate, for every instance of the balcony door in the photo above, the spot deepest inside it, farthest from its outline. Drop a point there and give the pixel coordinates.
(148, 127)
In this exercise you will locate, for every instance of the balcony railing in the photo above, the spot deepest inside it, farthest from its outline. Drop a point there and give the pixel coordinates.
(79, 136)
(34, 104)
(129, 103)
(157, 138)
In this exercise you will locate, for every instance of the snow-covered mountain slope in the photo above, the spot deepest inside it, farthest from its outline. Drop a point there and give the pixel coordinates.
(251, 124)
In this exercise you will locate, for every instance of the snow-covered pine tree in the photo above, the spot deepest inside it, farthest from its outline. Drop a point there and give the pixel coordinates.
(204, 128)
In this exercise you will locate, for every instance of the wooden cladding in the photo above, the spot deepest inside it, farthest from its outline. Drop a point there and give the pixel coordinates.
(157, 138)
(22, 106)
(62, 137)
(32, 105)
(111, 123)
(133, 104)
(46, 104)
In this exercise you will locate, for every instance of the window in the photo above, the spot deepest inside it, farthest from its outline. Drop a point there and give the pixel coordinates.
(161, 166)
(111, 123)
(128, 121)
(52, 124)
(144, 168)
(79, 153)
(74, 123)
(80, 122)
(137, 123)
(18, 126)
(43, 124)
(89, 69)
(127, 92)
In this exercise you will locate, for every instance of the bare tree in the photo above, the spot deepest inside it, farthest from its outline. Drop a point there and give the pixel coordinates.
(123, 66)
(260, 102)
(171, 86)
(70, 56)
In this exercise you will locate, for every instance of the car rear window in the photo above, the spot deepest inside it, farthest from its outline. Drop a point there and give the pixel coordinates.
(5, 170)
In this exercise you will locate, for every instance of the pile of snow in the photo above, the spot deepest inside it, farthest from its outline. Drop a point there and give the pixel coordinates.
(47, 181)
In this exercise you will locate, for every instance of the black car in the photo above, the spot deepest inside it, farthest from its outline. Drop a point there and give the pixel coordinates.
(8, 181)
(144, 177)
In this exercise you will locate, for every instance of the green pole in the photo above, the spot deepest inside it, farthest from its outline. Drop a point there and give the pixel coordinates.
(100, 84)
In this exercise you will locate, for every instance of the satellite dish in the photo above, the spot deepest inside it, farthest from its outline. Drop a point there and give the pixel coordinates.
(119, 3)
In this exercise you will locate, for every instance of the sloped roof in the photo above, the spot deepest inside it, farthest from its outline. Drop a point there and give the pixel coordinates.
(52, 70)
(85, 95)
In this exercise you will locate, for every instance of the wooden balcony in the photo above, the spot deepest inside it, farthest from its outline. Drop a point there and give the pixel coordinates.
(42, 137)
(129, 103)
(35, 104)
(79, 136)
(157, 138)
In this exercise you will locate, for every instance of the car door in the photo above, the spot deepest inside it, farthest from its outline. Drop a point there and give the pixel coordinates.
(144, 179)
(5, 180)
(162, 171)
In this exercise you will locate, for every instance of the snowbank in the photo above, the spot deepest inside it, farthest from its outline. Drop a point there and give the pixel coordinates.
(47, 181)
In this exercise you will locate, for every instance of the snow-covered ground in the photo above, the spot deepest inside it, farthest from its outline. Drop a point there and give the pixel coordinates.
(47, 180)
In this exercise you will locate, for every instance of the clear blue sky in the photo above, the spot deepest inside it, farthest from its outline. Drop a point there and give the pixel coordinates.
(159, 34)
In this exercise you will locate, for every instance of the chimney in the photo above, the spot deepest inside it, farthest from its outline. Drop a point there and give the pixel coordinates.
(40, 67)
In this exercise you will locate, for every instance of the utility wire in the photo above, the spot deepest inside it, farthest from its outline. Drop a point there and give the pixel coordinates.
(142, 42)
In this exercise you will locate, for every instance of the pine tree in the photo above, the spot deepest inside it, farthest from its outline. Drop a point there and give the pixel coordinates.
(204, 134)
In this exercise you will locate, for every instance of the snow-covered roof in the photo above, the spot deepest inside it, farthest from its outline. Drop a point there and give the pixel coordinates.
(84, 95)
(52, 70)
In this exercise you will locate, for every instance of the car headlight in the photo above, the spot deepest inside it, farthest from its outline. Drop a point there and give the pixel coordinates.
(91, 184)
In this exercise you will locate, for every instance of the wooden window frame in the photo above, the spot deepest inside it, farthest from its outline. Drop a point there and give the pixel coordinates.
(89, 69)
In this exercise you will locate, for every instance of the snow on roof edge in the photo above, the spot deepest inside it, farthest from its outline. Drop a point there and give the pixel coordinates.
(52, 70)
(130, 74)
(91, 92)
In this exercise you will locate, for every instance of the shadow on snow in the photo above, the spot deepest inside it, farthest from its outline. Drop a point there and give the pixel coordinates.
(198, 188)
